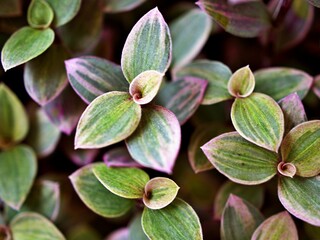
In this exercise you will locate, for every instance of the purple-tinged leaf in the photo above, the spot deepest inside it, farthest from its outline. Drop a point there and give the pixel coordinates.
(119, 157)
(65, 110)
(156, 141)
(5, 233)
(300, 196)
(116, 6)
(315, 3)
(239, 160)
(287, 169)
(301, 148)
(243, 19)
(239, 219)
(148, 46)
(293, 111)
(10, 8)
(120, 234)
(316, 86)
(90, 77)
(241, 83)
(279, 226)
(182, 97)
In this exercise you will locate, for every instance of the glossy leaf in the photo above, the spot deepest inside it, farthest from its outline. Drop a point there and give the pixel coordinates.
(189, 33)
(243, 19)
(24, 45)
(259, 119)
(239, 219)
(300, 196)
(176, 221)
(95, 196)
(301, 148)
(148, 46)
(40, 14)
(45, 76)
(279, 226)
(241, 161)
(90, 77)
(13, 118)
(115, 6)
(145, 86)
(30, 226)
(293, 111)
(18, 168)
(156, 141)
(280, 82)
(135, 229)
(241, 83)
(10, 8)
(124, 182)
(252, 194)
(316, 86)
(217, 74)
(119, 157)
(110, 118)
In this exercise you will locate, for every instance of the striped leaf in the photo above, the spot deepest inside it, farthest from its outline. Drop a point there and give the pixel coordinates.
(145, 86)
(159, 192)
(316, 86)
(189, 33)
(124, 182)
(40, 14)
(259, 119)
(182, 97)
(241, 83)
(239, 219)
(240, 160)
(24, 45)
(110, 118)
(279, 226)
(176, 221)
(135, 229)
(18, 168)
(217, 74)
(119, 157)
(301, 148)
(115, 6)
(90, 77)
(13, 118)
(252, 194)
(148, 46)
(300, 196)
(45, 76)
(95, 196)
(243, 19)
(156, 141)
(280, 82)
(30, 226)
(293, 111)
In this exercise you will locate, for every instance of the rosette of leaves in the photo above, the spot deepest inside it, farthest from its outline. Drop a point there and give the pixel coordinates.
(271, 139)
(112, 192)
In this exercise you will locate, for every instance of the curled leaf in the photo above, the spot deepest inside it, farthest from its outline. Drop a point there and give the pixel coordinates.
(40, 14)
(241, 83)
(287, 169)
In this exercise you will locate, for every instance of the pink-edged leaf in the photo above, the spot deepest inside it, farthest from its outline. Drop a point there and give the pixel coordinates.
(65, 110)
(316, 86)
(156, 141)
(92, 76)
(293, 111)
(182, 96)
(241, 83)
(119, 234)
(119, 157)
(300, 196)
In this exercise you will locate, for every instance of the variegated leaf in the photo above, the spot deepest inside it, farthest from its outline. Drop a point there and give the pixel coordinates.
(241, 83)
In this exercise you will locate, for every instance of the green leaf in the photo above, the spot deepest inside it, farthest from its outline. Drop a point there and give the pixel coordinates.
(176, 221)
(40, 14)
(95, 196)
(45, 76)
(252, 194)
(279, 226)
(316, 86)
(241, 83)
(24, 45)
(10, 8)
(300, 196)
(156, 141)
(110, 118)
(240, 160)
(31, 226)
(13, 118)
(243, 19)
(301, 148)
(90, 77)
(64, 11)
(160, 192)
(116, 6)
(135, 229)
(217, 74)
(148, 46)
(124, 182)
(280, 82)
(189, 32)
(259, 119)
(145, 86)
(18, 168)
(239, 219)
